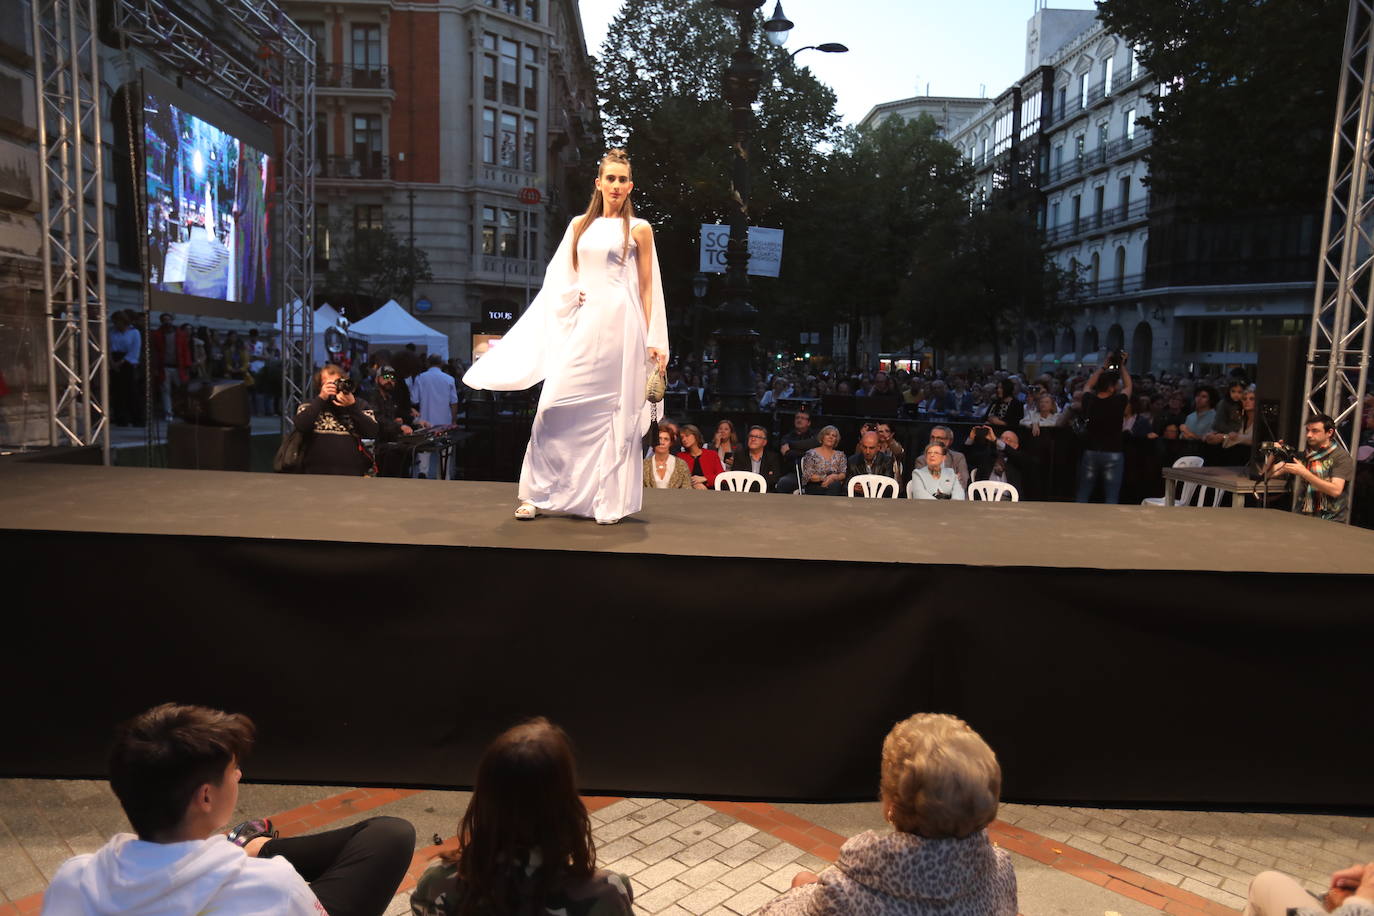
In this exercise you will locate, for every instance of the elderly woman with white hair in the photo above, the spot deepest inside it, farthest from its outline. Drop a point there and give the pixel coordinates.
(939, 790)
(933, 480)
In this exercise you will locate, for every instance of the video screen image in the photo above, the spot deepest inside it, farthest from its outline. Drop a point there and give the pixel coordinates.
(207, 208)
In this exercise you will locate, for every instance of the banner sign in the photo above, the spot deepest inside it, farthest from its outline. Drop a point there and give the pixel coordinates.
(765, 250)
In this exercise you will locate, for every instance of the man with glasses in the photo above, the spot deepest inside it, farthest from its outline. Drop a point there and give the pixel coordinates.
(955, 461)
(759, 458)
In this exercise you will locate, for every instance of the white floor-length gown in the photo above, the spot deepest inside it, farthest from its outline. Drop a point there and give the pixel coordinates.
(584, 455)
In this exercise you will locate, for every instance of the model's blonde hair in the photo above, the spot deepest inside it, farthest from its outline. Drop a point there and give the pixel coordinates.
(940, 778)
(596, 205)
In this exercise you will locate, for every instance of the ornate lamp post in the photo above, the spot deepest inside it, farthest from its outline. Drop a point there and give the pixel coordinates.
(736, 335)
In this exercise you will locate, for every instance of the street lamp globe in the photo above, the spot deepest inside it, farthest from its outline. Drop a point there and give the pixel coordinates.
(699, 282)
(778, 26)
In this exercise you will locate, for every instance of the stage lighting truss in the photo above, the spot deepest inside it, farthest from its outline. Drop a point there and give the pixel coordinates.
(1338, 355)
(279, 87)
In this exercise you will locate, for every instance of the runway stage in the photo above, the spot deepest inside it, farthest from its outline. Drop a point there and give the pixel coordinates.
(381, 631)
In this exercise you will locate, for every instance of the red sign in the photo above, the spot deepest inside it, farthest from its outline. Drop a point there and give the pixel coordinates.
(530, 196)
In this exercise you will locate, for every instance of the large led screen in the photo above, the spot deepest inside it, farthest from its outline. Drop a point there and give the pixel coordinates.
(207, 179)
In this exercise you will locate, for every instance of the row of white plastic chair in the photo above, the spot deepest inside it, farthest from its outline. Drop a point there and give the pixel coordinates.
(866, 485)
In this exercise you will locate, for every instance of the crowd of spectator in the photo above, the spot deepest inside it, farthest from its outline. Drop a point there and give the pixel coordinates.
(178, 354)
(525, 843)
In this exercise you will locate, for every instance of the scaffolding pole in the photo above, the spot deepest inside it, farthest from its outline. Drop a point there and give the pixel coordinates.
(1338, 353)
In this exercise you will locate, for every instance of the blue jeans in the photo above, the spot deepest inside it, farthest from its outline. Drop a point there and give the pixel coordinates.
(1104, 466)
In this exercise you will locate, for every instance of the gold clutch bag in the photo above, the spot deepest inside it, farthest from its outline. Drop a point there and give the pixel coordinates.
(655, 386)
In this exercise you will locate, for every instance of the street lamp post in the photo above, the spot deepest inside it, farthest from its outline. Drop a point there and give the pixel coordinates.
(736, 336)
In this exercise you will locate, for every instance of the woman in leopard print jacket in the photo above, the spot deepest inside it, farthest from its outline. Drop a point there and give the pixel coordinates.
(939, 789)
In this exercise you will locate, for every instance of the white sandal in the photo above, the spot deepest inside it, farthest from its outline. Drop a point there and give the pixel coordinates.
(526, 511)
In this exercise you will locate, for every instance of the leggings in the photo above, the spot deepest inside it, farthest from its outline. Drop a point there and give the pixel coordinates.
(353, 871)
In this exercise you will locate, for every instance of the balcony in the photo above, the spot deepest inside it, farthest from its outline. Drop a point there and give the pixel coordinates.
(1076, 166)
(345, 76)
(1098, 222)
(1123, 146)
(1108, 287)
(1072, 105)
(353, 168)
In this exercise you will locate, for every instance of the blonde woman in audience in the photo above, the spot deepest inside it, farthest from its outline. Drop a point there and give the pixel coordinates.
(1045, 414)
(823, 468)
(939, 790)
(662, 469)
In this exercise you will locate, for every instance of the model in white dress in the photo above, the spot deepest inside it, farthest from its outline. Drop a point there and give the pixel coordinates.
(585, 336)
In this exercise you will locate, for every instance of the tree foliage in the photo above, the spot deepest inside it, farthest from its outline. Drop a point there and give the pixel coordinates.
(367, 267)
(1250, 97)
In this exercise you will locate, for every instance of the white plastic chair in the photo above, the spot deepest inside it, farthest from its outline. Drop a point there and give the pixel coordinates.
(992, 491)
(1205, 493)
(1184, 497)
(873, 485)
(741, 481)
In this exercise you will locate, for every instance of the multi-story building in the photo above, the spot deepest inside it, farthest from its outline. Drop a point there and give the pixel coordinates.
(950, 113)
(1068, 137)
(463, 125)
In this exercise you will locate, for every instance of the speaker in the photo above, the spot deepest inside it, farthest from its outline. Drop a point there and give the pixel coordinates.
(221, 403)
(208, 448)
(1279, 379)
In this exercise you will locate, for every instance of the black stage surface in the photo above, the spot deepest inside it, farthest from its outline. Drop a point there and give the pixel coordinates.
(381, 631)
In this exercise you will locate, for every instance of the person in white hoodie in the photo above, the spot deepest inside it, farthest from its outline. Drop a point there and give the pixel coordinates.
(176, 772)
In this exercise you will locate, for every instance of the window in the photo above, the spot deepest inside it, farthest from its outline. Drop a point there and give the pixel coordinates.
(367, 218)
(532, 10)
(488, 230)
(321, 142)
(322, 234)
(1058, 156)
(1054, 214)
(1077, 211)
(367, 47)
(1123, 194)
(509, 238)
(1128, 124)
(367, 140)
(531, 79)
(1107, 75)
(529, 145)
(1102, 135)
(1120, 269)
(489, 135)
(510, 126)
(510, 72)
(1095, 272)
(1099, 198)
(317, 33)
(1030, 115)
(1080, 143)
(1060, 100)
(1135, 64)
(531, 234)
(1083, 89)
(489, 67)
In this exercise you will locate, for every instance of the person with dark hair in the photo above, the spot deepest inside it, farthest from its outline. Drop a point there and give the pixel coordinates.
(795, 444)
(704, 463)
(1104, 412)
(175, 770)
(126, 352)
(334, 422)
(1198, 424)
(1321, 488)
(170, 358)
(1005, 411)
(525, 842)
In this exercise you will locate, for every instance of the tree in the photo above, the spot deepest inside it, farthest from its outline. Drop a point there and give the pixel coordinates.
(369, 266)
(984, 282)
(660, 72)
(1248, 97)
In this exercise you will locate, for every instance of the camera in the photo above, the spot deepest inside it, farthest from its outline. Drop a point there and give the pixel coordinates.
(345, 386)
(1114, 361)
(1280, 451)
(940, 494)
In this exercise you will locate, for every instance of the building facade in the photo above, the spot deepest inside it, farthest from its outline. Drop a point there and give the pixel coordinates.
(1068, 136)
(465, 126)
(950, 113)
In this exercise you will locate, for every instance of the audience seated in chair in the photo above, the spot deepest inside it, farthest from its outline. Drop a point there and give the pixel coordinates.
(955, 461)
(869, 459)
(525, 841)
(662, 469)
(1001, 459)
(756, 456)
(934, 480)
(824, 468)
(175, 770)
(939, 790)
(703, 463)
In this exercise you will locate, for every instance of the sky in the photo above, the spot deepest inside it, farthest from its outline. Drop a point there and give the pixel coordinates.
(897, 48)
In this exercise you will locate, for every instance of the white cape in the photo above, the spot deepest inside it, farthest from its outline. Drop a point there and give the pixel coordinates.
(584, 451)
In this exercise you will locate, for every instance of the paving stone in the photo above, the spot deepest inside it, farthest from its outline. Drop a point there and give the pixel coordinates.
(765, 839)
(682, 802)
(691, 814)
(623, 808)
(627, 866)
(750, 899)
(656, 831)
(706, 897)
(656, 874)
(721, 819)
(1225, 898)
(1102, 852)
(616, 829)
(1132, 849)
(654, 812)
(626, 845)
(703, 873)
(779, 855)
(699, 852)
(740, 853)
(733, 833)
(674, 910)
(662, 897)
(781, 880)
(748, 873)
(812, 862)
(696, 832)
(658, 851)
(1152, 870)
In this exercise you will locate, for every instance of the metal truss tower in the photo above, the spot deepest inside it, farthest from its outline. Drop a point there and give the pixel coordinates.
(1338, 355)
(71, 183)
(278, 87)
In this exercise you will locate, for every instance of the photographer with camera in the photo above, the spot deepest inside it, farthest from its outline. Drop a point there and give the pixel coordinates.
(334, 423)
(1104, 412)
(1323, 472)
(1001, 459)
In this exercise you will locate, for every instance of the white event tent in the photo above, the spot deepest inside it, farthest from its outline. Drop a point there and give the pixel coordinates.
(392, 326)
(326, 316)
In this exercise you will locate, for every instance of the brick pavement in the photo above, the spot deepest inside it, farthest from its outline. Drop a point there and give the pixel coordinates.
(708, 858)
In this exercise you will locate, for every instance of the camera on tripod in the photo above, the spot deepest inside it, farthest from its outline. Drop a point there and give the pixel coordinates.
(1279, 452)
